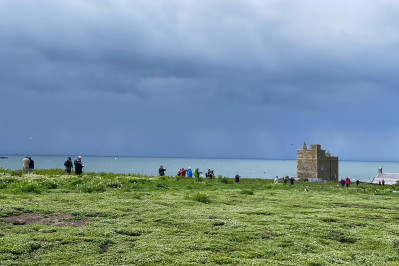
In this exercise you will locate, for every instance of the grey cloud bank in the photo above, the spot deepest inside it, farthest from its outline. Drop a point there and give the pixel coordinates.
(235, 79)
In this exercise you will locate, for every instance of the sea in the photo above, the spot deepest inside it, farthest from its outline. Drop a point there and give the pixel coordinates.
(246, 168)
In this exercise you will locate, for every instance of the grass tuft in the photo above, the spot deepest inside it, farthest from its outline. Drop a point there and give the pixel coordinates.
(247, 192)
(201, 197)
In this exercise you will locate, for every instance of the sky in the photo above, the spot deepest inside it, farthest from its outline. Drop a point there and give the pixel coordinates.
(209, 78)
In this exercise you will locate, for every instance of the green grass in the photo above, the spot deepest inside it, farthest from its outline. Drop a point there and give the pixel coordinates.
(156, 221)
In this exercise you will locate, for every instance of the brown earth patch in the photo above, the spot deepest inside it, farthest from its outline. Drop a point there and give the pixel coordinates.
(268, 236)
(31, 218)
(105, 249)
(159, 221)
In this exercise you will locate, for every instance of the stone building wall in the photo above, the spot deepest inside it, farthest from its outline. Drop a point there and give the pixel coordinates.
(306, 164)
(316, 163)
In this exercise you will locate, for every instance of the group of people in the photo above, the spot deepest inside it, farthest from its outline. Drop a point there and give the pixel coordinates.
(285, 180)
(291, 180)
(347, 182)
(188, 172)
(28, 165)
(77, 163)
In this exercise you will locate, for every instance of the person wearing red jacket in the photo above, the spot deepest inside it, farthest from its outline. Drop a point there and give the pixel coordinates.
(183, 172)
(348, 182)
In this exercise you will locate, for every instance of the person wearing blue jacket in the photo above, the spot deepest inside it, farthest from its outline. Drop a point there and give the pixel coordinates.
(189, 172)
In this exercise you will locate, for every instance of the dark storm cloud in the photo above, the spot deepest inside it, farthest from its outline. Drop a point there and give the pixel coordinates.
(221, 78)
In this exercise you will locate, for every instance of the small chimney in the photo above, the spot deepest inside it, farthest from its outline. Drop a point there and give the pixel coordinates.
(380, 170)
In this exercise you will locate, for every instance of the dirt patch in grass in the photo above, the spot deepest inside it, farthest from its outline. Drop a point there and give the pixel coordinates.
(31, 218)
(218, 223)
(268, 236)
(105, 249)
(256, 213)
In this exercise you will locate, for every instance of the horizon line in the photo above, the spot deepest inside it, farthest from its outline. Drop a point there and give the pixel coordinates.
(173, 157)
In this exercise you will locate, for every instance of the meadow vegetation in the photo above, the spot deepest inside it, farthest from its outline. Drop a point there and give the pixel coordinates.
(102, 218)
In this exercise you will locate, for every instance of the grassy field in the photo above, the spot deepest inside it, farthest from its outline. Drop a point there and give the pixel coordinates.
(50, 218)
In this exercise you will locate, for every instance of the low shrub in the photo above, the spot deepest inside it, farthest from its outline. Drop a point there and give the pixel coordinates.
(164, 178)
(15, 172)
(201, 197)
(49, 172)
(129, 232)
(48, 184)
(90, 188)
(161, 185)
(247, 192)
(26, 187)
(114, 184)
(225, 180)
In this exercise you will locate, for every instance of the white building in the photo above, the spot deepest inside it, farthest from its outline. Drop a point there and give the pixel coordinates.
(389, 178)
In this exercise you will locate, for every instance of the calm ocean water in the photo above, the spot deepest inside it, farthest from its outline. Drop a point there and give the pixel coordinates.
(247, 168)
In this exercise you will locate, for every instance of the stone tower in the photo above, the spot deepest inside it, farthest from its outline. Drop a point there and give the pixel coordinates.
(316, 163)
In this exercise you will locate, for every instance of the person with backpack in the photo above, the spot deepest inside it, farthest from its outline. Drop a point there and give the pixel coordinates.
(210, 174)
(68, 166)
(197, 173)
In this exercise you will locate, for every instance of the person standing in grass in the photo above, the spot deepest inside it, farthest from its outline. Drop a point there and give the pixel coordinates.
(210, 174)
(237, 178)
(292, 181)
(347, 182)
(25, 165)
(276, 180)
(189, 172)
(78, 165)
(161, 171)
(183, 172)
(31, 165)
(197, 173)
(68, 166)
